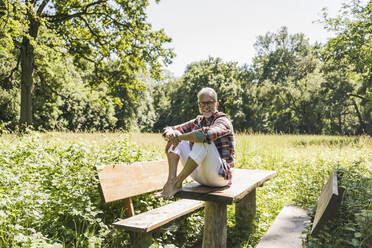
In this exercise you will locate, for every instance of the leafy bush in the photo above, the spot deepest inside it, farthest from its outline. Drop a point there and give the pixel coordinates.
(9, 108)
(71, 105)
(49, 195)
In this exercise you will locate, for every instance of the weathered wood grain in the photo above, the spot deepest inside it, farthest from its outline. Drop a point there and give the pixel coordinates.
(286, 231)
(243, 182)
(128, 207)
(150, 220)
(245, 211)
(123, 181)
(327, 203)
(141, 239)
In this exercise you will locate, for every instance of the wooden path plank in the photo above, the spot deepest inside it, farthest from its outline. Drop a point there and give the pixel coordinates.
(286, 231)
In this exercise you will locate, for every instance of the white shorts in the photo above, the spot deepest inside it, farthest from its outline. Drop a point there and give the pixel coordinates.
(208, 160)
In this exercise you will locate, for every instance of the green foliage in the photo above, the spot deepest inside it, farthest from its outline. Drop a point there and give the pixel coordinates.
(49, 195)
(62, 98)
(303, 164)
(137, 114)
(352, 226)
(75, 107)
(95, 34)
(287, 95)
(9, 105)
(292, 86)
(162, 95)
(348, 60)
(97, 65)
(278, 55)
(182, 103)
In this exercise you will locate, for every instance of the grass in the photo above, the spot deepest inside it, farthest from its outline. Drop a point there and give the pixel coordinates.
(64, 160)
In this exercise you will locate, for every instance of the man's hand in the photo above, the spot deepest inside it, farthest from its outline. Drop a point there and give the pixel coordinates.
(166, 132)
(172, 136)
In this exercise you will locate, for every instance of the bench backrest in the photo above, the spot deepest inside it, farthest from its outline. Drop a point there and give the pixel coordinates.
(328, 202)
(119, 182)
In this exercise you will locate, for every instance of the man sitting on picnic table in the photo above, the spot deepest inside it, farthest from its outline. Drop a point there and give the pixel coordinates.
(205, 145)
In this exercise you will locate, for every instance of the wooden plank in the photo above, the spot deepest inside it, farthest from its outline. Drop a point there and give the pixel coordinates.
(243, 182)
(141, 240)
(150, 220)
(215, 228)
(286, 231)
(327, 203)
(124, 181)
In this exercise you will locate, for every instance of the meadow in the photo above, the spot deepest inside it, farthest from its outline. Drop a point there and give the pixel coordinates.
(49, 195)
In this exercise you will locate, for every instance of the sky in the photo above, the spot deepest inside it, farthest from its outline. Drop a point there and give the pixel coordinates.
(229, 28)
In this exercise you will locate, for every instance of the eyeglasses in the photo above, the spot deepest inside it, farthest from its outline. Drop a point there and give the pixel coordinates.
(205, 104)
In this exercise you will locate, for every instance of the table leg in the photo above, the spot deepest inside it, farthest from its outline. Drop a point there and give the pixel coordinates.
(245, 211)
(215, 225)
(141, 240)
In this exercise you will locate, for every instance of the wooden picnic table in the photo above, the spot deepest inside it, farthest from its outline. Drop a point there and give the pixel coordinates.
(242, 192)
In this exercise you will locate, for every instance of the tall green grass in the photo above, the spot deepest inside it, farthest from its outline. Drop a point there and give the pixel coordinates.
(49, 195)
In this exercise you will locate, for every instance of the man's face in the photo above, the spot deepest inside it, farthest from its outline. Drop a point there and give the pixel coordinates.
(207, 105)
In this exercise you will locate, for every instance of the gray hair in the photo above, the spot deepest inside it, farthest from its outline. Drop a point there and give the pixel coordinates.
(208, 91)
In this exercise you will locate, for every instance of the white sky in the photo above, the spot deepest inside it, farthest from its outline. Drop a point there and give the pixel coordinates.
(229, 28)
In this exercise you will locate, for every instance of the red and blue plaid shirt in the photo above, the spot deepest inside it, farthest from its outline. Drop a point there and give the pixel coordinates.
(218, 129)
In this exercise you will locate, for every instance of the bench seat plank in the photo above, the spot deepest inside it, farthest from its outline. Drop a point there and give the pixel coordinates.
(243, 182)
(150, 220)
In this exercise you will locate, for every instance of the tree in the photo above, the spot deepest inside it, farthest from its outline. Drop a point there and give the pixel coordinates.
(277, 55)
(348, 61)
(94, 32)
(286, 84)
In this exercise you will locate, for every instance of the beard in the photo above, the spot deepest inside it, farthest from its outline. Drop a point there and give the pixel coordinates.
(207, 114)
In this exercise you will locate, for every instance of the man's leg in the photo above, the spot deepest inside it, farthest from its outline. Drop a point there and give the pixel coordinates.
(211, 169)
(173, 159)
(175, 184)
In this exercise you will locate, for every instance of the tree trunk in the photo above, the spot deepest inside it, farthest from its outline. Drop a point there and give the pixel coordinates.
(27, 83)
(362, 126)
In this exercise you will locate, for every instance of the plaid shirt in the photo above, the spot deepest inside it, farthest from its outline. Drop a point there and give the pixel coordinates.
(217, 128)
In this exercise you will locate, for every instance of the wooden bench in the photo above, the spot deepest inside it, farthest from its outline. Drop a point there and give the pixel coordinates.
(121, 182)
(286, 231)
(242, 193)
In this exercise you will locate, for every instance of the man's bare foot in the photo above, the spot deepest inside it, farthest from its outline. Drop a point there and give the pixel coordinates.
(169, 190)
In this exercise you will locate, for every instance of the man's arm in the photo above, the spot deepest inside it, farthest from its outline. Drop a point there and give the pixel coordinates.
(174, 137)
(194, 136)
(221, 127)
(171, 133)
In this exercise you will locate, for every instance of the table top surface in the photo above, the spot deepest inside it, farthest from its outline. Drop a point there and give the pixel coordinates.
(243, 182)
